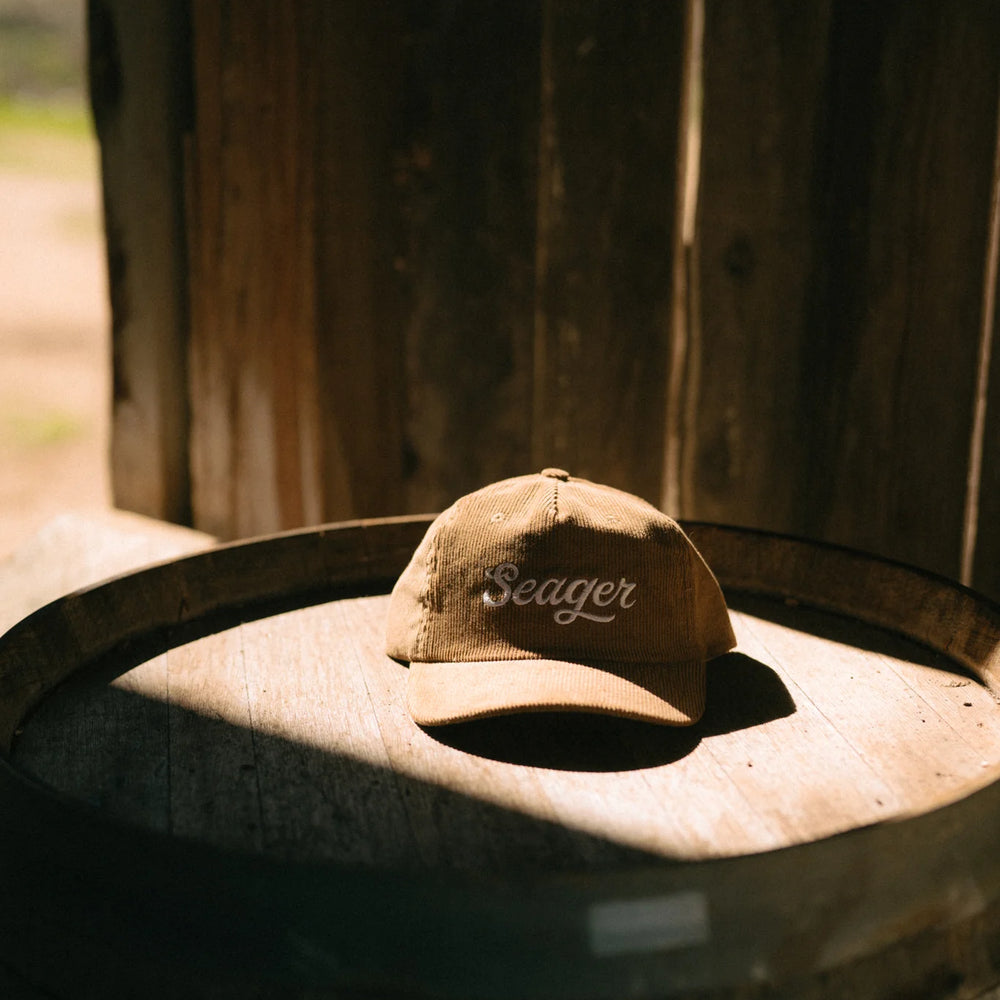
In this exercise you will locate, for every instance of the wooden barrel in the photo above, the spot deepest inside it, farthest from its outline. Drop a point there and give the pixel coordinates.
(212, 788)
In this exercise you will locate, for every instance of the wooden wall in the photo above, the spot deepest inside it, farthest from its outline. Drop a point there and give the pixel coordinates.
(425, 245)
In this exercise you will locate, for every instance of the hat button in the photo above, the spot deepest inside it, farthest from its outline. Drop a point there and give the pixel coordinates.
(556, 474)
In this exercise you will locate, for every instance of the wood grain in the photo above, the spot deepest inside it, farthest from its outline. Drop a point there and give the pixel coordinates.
(610, 101)
(843, 211)
(255, 449)
(140, 92)
(458, 198)
(744, 397)
(354, 55)
(362, 307)
(251, 766)
(985, 492)
(456, 260)
(905, 269)
(289, 737)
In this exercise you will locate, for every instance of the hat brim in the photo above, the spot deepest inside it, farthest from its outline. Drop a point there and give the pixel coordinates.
(667, 694)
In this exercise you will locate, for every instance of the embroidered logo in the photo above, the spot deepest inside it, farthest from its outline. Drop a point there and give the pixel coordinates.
(558, 591)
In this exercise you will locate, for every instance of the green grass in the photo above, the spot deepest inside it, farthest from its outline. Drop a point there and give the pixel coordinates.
(53, 138)
(42, 430)
(70, 119)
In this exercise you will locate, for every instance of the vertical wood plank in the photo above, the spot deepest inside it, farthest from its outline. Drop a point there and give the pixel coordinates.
(386, 311)
(743, 446)
(327, 788)
(363, 295)
(899, 318)
(984, 510)
(423, 240)
(140, 91)
(209, 721)
(840, 311)
(986, 567)
(611, 79)
(355, 63)
(457, 228)
(255, 453)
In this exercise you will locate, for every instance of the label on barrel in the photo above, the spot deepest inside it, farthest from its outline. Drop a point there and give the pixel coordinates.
(655, 923)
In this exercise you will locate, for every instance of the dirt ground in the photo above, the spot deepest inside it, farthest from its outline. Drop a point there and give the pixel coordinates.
(54, 333)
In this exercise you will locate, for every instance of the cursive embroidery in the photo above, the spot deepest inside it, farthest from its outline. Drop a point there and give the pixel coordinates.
(557, 591)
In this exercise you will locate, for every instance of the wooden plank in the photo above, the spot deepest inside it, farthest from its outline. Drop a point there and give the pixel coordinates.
(843, 223)
(742, 402)
(255, 452)
(354, 57)
(905, 271)
(905, 759)
(797, 770)
(986, 566)
(289, 737)
(381, 361)
(427, 149)
(983, 501)
(326, 789)
(213, 786)
(436, 780)
(140, 91)
(124, 770)
(127, 771)
(965, 706)
(610, 98)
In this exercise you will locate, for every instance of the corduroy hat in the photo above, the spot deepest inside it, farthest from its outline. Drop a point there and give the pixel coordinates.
(547, 593)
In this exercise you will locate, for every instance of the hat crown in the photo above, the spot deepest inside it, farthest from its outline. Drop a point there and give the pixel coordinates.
(549, 565)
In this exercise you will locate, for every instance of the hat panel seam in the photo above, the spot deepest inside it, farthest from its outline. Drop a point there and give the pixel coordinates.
(429, 599)
(425, 598)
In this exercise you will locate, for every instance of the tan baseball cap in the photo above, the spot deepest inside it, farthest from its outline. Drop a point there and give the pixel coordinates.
(552, 593)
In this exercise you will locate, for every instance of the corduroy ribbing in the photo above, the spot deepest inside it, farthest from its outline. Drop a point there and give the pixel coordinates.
(553, 568)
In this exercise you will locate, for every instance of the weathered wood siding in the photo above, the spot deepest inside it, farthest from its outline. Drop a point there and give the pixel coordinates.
(431, 245)
(610, 102)
(255, 457)
(844, 214)
(142, 105)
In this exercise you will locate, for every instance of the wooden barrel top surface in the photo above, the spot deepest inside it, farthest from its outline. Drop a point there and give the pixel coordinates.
(241, 699)
(289, 736)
